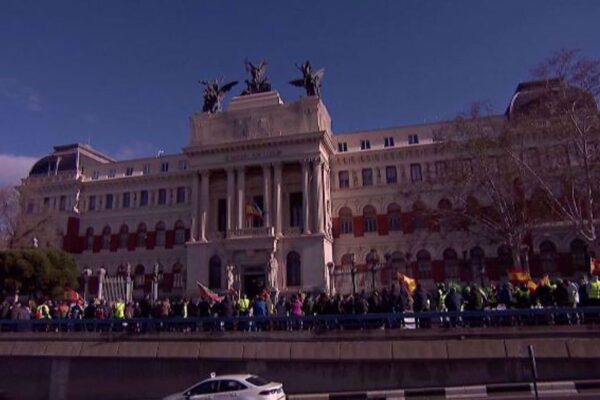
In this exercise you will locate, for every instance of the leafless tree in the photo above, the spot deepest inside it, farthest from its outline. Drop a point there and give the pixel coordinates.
(561, 115)
(9, 210)
(490, 192)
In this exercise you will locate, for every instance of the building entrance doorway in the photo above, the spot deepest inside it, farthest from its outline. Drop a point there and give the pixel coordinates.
(254, 283)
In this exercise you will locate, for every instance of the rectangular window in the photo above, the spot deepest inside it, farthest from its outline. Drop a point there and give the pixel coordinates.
(109, 201)
(62, 204)
(164, 167)
(46, 202)
(92, 203)
(413, 139)
(222, 215)
(388, 142)
(344, 178)
(129, 171)
(147, 169)
(182, 165)
(415, 173)
(180, 195)
(342, 147)
(143, 198)
(296, 209)
(30, 208)
(391, 175)
(367, 177)
(365, 144)
(440, 169)
(126, 200)
(112, 172)
(162, 196)
(95, 175)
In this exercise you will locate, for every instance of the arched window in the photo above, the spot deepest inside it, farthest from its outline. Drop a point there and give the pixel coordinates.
(178, 282)
(477, 259)
(472, 205)
(106, 238)
(347, 261)
(394, 214)
(420, 215)
(579, 256)
(548, 257)
(179, 232)
(123, 236)
(214, 272)
(345, 220)
(89, 238)
(161, 234)
(370, 219)
(142, 232)
(293, 269)
(139, 276)
(444, 205)
(424, 264)
(451, 264)
(505, 258)
(398, 262)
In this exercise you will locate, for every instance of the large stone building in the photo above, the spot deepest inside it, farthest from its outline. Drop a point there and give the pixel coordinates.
(268, 189)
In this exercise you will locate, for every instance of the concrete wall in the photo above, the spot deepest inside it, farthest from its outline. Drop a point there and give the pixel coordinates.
(59, 370)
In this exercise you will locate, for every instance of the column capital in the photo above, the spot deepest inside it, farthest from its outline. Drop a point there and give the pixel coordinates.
(317, 161)
(204, 173)
(265, 165)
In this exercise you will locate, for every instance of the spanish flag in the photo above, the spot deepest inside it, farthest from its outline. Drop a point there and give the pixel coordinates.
(515, 276)
(594, 266)
(411, 284)
(253, 209)
(531, 286)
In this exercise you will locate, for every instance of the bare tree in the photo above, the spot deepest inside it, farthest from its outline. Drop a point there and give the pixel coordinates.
(489, 190)
(9, 211)
(560, 113)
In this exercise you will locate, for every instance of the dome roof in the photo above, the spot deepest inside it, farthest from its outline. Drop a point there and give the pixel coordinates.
(52, 164)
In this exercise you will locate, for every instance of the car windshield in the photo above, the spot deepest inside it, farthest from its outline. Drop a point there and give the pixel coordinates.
(257, 381)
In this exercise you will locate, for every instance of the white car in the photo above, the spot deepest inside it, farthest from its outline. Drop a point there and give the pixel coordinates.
(239, 387)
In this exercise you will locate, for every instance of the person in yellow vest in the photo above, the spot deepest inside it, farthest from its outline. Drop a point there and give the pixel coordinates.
(119, 309)
(244, 304)
(594, 296)
(185, 308)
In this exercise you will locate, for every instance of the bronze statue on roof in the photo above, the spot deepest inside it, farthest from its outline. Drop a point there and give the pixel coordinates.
(213, 94)
(310, 81)
(258, 82)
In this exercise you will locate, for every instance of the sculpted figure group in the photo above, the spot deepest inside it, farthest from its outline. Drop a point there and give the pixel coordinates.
(214, 91)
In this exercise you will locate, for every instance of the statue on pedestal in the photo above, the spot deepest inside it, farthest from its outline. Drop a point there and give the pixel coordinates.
(213, 94)
(272, 268)
(230, 275)
(310, 81)
(258, 82)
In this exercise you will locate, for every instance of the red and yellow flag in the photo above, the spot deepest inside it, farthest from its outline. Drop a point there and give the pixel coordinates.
(595, 266)
(515, 276)
(411, 284)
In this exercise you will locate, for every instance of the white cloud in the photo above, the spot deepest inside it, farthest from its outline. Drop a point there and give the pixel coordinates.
(14, 167)
(20, 95)
(136, 149)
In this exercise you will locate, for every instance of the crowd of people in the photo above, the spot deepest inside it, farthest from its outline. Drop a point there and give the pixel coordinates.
(558, 293)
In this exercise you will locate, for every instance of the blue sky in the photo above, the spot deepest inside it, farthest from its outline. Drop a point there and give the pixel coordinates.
(123, 75)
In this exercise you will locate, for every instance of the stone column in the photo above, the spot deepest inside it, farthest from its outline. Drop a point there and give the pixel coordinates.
(306, 195)
(241, 189)
(318, 194)
(266, 194)
(277, 188)
(230, 198)
(194, 205)
(205, 198)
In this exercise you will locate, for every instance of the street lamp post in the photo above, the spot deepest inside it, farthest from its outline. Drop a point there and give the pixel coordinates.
(86, 274)
(101, 276)
(331, 270)
(353, 273)
(373, 260)
(156, 275)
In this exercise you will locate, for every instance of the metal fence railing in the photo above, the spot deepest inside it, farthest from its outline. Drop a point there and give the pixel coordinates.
(405, 320)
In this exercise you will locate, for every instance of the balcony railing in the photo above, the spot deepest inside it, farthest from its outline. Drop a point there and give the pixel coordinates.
(260, 231)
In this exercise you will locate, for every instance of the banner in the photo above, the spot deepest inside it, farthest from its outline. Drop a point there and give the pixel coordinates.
(206, 292)
(594, 266)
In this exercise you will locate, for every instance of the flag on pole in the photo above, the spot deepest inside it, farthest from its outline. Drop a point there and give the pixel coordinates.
(594, 266)
(410, 283)
(206, 292)
(253, 209)
(515, 276)
(72, 295)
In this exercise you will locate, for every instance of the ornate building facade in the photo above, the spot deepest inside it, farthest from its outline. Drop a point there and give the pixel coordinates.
(265, 189)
